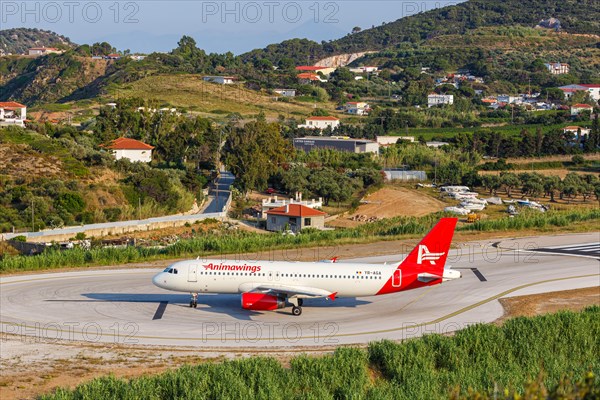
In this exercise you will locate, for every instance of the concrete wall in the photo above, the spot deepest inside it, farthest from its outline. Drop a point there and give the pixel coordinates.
(114, 228)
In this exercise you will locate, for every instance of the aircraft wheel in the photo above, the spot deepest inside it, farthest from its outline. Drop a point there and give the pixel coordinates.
(191, 304)
(296, 310)
(195, 304)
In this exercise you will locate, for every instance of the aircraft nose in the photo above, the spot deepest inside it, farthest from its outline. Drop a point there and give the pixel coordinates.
(158, 280)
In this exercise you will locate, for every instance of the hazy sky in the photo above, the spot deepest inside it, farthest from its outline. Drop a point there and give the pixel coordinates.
(217, 26)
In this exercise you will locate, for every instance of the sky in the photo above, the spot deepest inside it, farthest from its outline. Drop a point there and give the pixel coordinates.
(217, 26)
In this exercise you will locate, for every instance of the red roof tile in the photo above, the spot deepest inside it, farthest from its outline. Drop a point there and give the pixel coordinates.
(128, 144)
(11, 104)
(323, 119)
(582, 106)
(296, 210)
(309, 68)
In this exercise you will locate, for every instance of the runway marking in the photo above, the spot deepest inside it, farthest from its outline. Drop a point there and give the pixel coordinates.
(479, 275)
(591, 250)
(403, 328)
(160, 310)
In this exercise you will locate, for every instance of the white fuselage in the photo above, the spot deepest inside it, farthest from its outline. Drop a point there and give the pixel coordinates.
(345, 279)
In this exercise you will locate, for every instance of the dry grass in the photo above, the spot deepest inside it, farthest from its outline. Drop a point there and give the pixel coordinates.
(392, 202)
(209, 99)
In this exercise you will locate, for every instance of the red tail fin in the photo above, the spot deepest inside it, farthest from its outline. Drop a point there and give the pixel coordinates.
(424, 265)
(431, 253)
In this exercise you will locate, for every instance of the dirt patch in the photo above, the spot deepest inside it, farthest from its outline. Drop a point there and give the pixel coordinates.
(19, 161)
(390, 202)
(538, 304)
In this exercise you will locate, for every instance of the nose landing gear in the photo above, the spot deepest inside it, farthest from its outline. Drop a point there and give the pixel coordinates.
(194, 300)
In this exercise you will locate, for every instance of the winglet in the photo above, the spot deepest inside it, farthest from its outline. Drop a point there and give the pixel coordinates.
(334, 259)
(332, 296)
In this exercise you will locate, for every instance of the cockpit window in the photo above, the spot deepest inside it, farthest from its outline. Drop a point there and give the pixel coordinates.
(174, 271)
(167, 269)
(170, 270)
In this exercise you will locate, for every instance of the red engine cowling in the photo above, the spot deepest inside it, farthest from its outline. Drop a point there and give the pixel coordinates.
(262, 302)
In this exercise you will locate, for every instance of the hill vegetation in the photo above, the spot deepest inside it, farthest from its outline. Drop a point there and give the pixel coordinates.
(575, 16)
(19, 40)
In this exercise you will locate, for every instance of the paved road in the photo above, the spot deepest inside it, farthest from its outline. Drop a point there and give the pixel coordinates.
(221, 193)
(122, 306)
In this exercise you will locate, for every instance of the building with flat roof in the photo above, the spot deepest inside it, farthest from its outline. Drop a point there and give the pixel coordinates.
(338, 143)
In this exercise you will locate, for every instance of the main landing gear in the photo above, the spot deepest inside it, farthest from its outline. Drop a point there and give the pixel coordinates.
(194, 300)
(296, 306)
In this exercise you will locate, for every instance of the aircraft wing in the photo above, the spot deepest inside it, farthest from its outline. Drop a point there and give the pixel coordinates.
(288, 290)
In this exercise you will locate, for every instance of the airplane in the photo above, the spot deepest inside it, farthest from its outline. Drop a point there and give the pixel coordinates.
(271, 285)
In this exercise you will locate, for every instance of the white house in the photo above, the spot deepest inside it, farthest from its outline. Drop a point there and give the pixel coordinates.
(575, 130)
(42, 51)
(357, 108)
(578, 108)
(436, 144)
(321, 123)
(558, 68)
(439, 99)
(286, 92)
(222, 80)
(391, 140)
(593, 90)
(12, 114)
(361, 70)
(132, 149)
(275, 202)
(504, 98)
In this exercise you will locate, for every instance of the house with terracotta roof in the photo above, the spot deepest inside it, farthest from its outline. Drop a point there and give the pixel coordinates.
(308, 77)
(577, 109)
(12, 114)
(315, 68)
(321, 123)
(576, 129)
(294, 217)
(131, 149)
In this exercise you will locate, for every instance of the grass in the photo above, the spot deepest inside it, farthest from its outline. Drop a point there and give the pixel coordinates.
(193, 93)
(514, 130)
(491, 361)
(246, 242)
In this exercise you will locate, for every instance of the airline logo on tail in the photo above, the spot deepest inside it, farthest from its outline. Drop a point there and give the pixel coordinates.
(425, 255)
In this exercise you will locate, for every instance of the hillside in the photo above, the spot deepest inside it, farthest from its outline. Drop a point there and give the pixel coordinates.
(575, 17)
(19, 40)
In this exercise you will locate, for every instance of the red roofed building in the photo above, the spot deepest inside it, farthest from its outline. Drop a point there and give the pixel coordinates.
(576, 109)
(131, 149)
(315, 69)
(294, 217)
(321, 123)
(308, 77)
(12, 114)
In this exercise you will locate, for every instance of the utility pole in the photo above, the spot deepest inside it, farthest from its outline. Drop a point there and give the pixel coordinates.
(139, 208)
(32, 212)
